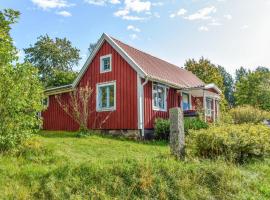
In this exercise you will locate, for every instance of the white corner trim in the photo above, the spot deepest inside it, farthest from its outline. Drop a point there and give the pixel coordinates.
(98, 85)
(101, 63)
(165, 103)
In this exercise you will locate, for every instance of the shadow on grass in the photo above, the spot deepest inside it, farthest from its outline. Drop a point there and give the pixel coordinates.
(58, 134)
(66, 134)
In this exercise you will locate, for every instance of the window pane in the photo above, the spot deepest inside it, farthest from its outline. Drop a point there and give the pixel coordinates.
(185, 103)
(159, 97)
(106, 96)
(106, 64)
(103, 97)
(111, 90)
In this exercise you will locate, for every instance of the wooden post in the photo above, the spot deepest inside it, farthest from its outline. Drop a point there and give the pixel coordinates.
(177, 134)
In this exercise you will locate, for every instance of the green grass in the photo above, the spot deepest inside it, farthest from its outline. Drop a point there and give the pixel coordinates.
(58, 165)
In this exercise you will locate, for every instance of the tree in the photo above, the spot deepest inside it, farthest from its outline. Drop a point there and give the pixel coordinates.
(59, 78)
(50, 56)
(21, 92)
(7, 50)
(254, 89)
(241, 72)
(228, 85)
(262, 69)
(91, 47)
(206, 71)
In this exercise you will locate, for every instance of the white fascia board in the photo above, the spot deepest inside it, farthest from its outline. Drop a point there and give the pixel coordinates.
(213, 86)
(107, 38)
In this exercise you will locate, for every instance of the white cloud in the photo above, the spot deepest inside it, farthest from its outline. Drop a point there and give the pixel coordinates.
(102, 2)
(133, 36)
(214, 22)
(203, 28)
(157, 4)
(228, 16)
(64, 13)
(121, 13)
(48, 4)
(244, 27)
(133, 28)
(136, 6)
(202, 14)
(133, 18)
(180, 12)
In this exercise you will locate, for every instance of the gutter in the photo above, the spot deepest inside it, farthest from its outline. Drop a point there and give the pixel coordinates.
(141, 103)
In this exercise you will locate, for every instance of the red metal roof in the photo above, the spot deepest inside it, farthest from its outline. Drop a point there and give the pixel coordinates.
(160, 70)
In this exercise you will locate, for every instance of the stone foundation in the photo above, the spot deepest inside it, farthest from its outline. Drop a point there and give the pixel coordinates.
(130, 134)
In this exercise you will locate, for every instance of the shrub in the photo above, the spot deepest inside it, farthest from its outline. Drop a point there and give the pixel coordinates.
(194, 124)
(20, 101)
(162, 128)
(237, 143)
(248, 114)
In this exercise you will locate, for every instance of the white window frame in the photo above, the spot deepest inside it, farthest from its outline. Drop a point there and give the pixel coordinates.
(165, 98)
(189, 99)
(208, 112)
(98, 85)
(101, 63)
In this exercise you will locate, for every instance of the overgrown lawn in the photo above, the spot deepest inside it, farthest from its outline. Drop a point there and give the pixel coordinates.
(58, 165)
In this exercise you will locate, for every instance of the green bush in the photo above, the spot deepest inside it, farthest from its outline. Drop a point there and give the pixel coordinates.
(248, 114)
(194, 124)
(20, 101)
(162, 128)
(237, 143)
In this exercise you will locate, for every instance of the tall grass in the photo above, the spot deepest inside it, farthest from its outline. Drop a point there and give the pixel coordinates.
(106, 168)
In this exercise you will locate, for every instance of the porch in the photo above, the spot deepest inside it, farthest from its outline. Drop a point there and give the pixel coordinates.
(204, 100)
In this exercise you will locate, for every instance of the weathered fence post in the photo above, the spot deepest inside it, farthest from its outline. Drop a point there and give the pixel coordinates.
(177, 134)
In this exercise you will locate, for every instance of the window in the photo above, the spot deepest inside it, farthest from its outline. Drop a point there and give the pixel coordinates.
(106, 96)
(208, 107)
(159, 97)
(45, 102)
(106, 63)
(185, 101)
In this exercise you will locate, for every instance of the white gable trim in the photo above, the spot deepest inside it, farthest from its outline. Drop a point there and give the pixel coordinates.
(107, 38)
(213, 86)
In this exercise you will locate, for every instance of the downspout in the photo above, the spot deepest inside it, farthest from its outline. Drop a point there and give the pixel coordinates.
(142, 105)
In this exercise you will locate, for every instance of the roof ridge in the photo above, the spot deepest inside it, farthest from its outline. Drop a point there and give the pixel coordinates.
(178, 67)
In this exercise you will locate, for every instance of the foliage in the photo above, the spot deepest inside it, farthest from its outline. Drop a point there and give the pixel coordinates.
(20, 101)
(241, 73)
(162, 128)
(49, 55)
(105, 168)
(248, 114)
(254, 89)
(262, 69)
(7, 50)
(206, 71)
(59, 78)
(236, 143)
(91, 47)
(228, 83)
(194, 124)
(20, 90)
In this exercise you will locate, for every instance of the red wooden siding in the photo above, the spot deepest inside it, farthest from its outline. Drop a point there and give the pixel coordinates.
(149, 113)
(125, 116)
(54, 118)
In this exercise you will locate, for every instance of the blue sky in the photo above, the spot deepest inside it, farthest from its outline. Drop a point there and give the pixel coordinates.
(231, 33)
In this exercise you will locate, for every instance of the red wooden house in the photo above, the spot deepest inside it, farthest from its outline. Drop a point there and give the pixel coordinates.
(134, 87)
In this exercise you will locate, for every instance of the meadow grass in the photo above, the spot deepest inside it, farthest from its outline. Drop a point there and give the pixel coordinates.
(58, 165)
